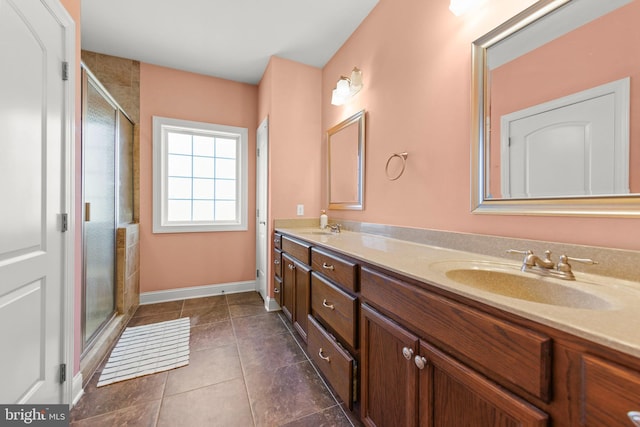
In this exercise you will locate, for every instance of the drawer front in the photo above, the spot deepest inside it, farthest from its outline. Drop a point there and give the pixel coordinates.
(514, 356)
(277, 241)
(609, 392)
(338, 269)
(335, 363)
(277, 262)
(336, 308)
(296, 248)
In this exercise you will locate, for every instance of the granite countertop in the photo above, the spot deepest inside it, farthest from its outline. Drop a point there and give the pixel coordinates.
(613, 322)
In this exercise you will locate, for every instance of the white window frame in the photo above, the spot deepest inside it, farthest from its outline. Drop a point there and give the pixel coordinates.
(163, 125)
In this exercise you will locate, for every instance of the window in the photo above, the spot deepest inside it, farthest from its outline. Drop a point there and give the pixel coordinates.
(199, 176)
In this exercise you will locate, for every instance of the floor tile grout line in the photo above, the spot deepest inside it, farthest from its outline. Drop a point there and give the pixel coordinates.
(244, 374)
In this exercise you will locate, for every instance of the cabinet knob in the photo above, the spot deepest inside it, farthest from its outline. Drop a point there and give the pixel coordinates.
(407, 353)
(276, 291)
(327, 305)
(420, 362)
(291, 266)
(634, 416)
(323, 357)
(276, 261)
(327, 266)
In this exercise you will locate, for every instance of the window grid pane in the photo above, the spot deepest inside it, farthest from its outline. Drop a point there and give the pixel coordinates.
(202, 182)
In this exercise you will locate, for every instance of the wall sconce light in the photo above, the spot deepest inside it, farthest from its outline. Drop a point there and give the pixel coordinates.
(347, 87)
(460, 7)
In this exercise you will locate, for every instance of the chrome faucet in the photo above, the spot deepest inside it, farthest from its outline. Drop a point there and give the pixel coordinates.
(545, 266)
(335, 228)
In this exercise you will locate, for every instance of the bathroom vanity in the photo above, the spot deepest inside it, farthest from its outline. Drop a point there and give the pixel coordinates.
(408, 334)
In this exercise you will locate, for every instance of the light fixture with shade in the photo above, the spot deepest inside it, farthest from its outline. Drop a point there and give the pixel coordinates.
(347, 87)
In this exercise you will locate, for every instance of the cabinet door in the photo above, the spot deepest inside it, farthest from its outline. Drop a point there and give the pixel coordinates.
(609, 393)
(389, 376)
(301, 307)
(453, 395)
(287, 290)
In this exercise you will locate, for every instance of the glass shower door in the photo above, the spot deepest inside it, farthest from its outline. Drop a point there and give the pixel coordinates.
(99, 193)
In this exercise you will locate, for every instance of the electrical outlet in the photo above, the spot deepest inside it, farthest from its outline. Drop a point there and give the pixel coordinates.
(300, 210)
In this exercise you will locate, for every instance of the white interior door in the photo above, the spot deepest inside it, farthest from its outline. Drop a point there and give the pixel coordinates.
(576, 146)
(32, 197)
(262, 246)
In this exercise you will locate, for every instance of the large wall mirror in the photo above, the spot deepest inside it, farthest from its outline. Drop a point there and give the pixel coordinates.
(346, 143)
(556, 111)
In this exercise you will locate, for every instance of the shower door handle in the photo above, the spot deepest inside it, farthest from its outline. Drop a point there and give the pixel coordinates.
(87, 212)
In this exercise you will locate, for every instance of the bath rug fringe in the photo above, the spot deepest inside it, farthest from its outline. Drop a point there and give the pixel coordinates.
(148, 349)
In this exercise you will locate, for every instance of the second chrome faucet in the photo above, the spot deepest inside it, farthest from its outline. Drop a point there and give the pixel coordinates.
(545, 266)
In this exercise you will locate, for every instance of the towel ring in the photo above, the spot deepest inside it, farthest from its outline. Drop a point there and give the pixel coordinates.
(403, 157)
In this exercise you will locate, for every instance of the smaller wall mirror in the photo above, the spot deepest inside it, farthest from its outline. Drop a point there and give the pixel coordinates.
(345, 163)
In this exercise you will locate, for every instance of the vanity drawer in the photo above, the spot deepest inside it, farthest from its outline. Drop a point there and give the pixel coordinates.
(277, 241)
(335, 363)
(277, 262)
(296, 248)
(609, 392)
(514, 356)
(335, 307)
(338, 269)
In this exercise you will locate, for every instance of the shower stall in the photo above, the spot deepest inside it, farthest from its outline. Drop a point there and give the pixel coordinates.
(107, 192)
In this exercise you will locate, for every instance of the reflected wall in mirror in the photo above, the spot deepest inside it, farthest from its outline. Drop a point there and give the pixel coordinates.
(346, 147)
(556, 111)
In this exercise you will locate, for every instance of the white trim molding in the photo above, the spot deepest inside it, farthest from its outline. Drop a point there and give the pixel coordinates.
(196, 292)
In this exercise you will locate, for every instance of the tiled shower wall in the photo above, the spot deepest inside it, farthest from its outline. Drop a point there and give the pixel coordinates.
(128, 269)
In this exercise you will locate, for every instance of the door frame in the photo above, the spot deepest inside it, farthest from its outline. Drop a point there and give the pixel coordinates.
(270, 303)
(621, 90)
(72, 386)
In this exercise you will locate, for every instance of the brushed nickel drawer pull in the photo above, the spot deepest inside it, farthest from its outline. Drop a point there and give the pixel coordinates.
(328, 266)
(327, 305)
(634, 416)
(323, 357)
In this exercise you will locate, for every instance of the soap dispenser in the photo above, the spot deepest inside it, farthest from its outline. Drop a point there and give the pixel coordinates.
(324, 220)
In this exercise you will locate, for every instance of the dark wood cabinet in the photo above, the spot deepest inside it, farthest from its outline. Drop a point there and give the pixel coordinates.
(403, 352)
(389, 378)
(302, 292)
(453, 395)
(609, 393)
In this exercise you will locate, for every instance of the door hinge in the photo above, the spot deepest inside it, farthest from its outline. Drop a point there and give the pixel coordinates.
(258, 273)
(64, 222)
(65, 70)
(258, 152)
(63, 372)
(257, 213)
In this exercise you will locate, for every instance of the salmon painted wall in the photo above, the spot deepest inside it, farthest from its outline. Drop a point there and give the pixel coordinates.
(416, 61)
(73, 7)
(588, 60)
(170, 261)
(290, 95)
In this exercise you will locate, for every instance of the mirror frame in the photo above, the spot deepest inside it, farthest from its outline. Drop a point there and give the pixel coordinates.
(600, 206)
(358, 118)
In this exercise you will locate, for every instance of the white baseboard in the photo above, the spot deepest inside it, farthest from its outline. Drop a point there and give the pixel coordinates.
(270, 304)
(196, 292)
(76, 389)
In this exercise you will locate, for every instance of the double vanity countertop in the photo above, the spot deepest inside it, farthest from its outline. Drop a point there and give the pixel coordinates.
(601, 309)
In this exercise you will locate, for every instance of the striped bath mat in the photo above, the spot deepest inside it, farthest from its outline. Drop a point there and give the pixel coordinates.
(147, 349)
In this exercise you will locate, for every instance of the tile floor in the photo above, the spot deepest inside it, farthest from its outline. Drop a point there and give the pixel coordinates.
(246, 369)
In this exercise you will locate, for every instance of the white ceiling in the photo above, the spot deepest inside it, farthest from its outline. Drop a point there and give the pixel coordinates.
(231, 39)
